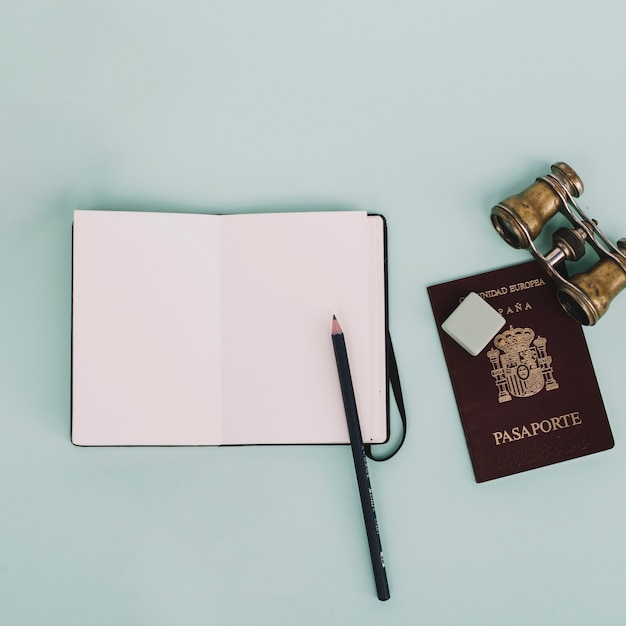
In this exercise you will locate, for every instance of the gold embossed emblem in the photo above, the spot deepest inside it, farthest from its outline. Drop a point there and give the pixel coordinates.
(521, 365)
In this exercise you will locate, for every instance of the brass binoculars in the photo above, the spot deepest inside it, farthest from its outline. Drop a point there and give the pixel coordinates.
(521, 218)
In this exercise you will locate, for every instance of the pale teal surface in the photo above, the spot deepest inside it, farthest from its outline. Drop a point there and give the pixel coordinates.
(426, 112)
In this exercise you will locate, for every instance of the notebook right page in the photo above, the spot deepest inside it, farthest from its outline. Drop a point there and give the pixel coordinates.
(284, 275)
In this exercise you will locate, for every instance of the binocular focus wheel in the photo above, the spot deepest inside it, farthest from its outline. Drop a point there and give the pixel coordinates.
(571, 241)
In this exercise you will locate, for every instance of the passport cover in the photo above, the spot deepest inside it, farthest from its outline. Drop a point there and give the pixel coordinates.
(531, 397)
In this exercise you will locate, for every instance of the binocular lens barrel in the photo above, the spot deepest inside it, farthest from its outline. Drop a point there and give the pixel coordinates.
(591, 293)
(524, 215)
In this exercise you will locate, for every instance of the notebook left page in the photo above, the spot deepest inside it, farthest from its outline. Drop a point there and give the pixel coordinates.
(146, 329)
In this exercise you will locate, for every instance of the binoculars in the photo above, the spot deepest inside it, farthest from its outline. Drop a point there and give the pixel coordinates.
(521, 218)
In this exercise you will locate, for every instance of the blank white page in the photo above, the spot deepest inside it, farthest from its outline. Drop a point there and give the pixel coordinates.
(283, 278)
(146, 329)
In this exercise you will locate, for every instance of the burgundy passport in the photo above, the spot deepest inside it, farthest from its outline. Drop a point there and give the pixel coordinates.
(531, 397)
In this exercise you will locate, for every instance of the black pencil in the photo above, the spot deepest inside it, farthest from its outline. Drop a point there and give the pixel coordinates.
(360, 462)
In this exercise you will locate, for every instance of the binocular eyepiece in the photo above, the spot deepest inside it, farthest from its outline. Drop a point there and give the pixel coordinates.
(519, 220)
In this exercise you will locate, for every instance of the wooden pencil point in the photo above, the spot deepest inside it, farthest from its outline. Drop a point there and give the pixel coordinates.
(336, 330)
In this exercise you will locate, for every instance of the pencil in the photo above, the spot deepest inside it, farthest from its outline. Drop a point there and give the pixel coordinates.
(360, 462)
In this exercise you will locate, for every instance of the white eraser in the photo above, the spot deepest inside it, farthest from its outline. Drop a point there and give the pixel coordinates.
(473, 324)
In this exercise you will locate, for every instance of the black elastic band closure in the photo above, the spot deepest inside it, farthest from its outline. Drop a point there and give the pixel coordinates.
(394, 381)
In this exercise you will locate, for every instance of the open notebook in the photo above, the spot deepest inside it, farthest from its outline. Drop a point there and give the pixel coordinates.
(195, 329)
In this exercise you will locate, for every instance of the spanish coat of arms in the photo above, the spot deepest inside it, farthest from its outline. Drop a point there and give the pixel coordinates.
(520, 364)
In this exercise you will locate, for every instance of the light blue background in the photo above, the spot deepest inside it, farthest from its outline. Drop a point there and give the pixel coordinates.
(426, 112)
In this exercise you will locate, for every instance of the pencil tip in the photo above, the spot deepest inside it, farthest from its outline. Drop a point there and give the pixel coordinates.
(336, 328)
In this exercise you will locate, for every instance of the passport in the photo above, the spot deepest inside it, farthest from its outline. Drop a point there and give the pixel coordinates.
(531, 397)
